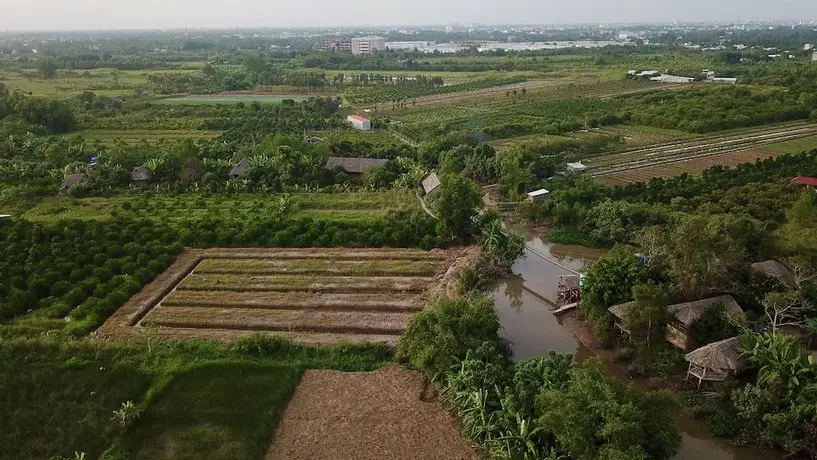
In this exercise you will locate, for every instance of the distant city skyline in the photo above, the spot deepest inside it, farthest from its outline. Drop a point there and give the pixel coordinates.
(44, 15)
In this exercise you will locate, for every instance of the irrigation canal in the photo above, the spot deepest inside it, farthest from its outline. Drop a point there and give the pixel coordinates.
(525, 303)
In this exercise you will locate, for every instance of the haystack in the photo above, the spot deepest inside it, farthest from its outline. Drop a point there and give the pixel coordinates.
(141, 174)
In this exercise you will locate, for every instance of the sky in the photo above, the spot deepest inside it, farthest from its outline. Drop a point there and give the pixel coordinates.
(165, 14)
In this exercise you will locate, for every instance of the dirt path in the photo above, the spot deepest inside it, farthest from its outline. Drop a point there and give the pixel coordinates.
(366, 416)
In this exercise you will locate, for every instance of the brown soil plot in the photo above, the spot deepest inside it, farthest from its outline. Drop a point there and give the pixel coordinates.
(308, 295)
(366, 416)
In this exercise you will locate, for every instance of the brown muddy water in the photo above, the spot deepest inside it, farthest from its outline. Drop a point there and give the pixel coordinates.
(525, 302)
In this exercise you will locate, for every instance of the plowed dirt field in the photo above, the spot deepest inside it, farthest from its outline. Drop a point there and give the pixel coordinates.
(309, 295)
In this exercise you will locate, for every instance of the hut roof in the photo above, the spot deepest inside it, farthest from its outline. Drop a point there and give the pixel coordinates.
(354, 165)
(72, 180)
(620, 310)
(775, 269)
(686, 313)
(723, 356)
(141, 174)
(431, 182)
(241, 169)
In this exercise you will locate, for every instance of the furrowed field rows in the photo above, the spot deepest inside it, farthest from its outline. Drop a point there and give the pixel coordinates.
(690, 166)
(309, 295)
(328, 253)
(294, 300)
(287, 283)
(684, 151)
(318, 266)
(279, 320)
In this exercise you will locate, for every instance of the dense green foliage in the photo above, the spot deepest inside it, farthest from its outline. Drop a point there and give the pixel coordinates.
(529, 409)
(437, 336)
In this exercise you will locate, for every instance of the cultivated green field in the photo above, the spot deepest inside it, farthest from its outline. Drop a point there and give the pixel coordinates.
(180, 208)
(134, 136)
(202, 99)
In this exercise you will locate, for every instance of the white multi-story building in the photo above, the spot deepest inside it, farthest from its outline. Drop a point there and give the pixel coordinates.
(368, 45)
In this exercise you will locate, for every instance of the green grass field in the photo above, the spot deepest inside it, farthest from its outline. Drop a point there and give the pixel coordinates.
(793, 146)
(135, 136)
(180, 208)
(105, 82)
(228, 99)
(198, 400)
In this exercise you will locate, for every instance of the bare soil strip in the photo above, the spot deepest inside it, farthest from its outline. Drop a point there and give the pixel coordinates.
(323, 296)
(307, 283)
(324, 253)
(366, 416)
(294, 300)
(319, 267)
(278, 320)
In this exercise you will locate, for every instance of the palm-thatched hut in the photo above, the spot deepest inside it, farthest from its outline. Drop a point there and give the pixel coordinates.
(431, 184)
(71, 181)
(778, 271)
(716, 362)
(241, 170)
(141, 174)
(354, 166)
(682, 316)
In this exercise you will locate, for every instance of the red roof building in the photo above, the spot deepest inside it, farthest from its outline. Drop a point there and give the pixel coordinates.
(803, 180)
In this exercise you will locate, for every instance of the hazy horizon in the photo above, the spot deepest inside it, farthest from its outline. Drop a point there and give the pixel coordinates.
(211, 14)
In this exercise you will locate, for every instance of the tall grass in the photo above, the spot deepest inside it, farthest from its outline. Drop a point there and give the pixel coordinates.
(198, 399)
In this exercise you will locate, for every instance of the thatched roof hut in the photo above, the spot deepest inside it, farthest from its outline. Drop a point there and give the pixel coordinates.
(141, 174)
(431, 183)
(354, 165)
(778, 271)
(241, 170)
(682, 316)
(716, 361)
(71, 181)
(686, 313)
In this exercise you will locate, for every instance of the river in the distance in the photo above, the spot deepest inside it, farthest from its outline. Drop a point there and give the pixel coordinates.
(525, 302)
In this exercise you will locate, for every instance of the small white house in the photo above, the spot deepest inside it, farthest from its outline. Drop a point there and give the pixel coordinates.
(538, 196)
(576, 167)
(814, 57)
(361, 123)
(672, 79)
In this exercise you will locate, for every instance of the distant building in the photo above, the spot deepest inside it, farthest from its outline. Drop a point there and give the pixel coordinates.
(780, 272)
(354, 166)
(338, 44)
(361, 123)
(803, 180)
(538, 196)
(808, 47)
(368, 45)
(814, 57)
(431, 184)
(576, 167)
(241, 170)
(672, 79)
(5, 216)
(710, 76)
